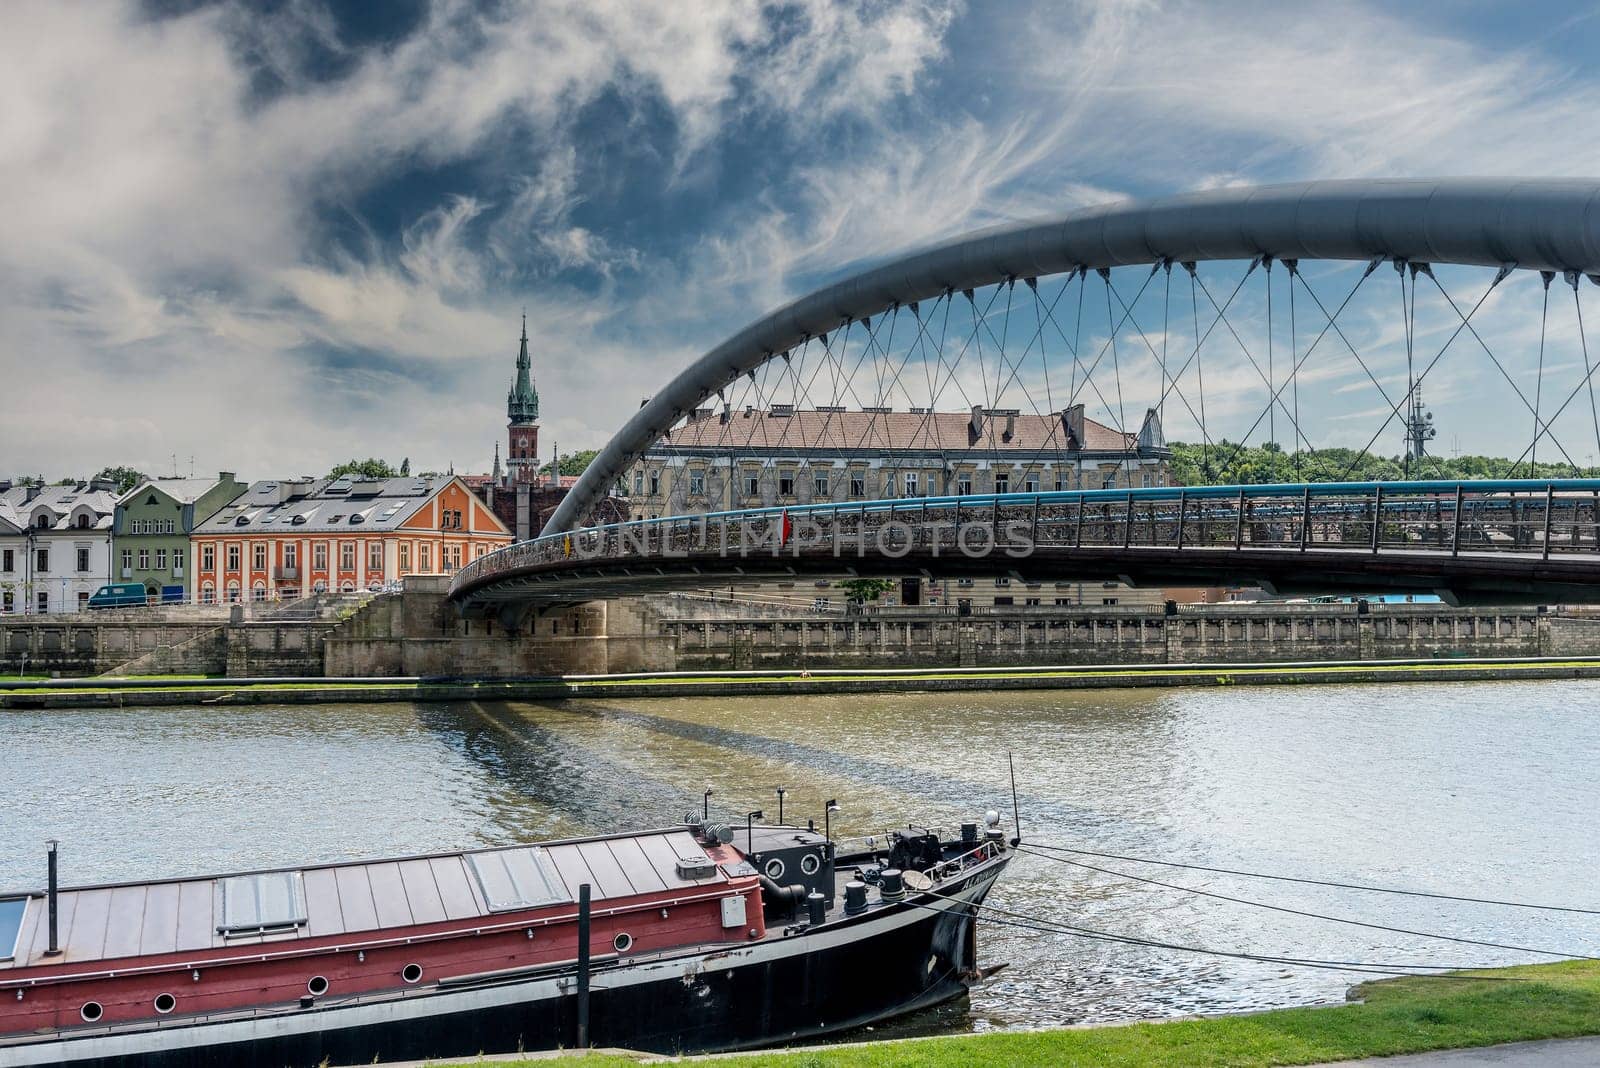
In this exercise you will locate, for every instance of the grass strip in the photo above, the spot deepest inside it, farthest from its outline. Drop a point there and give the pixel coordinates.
(1394, 1016)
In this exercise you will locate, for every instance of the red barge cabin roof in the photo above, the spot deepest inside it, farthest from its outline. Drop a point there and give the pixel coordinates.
(283, 906)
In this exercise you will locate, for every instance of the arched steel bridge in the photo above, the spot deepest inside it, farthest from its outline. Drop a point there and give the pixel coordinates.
(1501, 540)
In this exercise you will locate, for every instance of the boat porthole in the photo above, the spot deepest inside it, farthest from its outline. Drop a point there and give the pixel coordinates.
(165, 1003)
(809, 864)
(774, 869)
(317, 985)
(91, 1011)
(623, 942)
(411, 972)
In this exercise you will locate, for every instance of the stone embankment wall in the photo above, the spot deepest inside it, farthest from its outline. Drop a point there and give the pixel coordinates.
(418, 633)
(1117, 635)
(165, 641)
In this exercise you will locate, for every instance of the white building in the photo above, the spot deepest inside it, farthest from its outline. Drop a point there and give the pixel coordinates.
(55, 546)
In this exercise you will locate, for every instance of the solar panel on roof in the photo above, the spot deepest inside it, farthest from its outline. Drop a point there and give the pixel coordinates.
(252, 904)
(517, 878)
(11, 912)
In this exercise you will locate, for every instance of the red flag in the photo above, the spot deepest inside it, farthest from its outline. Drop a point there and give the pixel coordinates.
(786, 530)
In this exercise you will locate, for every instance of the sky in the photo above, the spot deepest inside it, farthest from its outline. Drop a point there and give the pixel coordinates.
(268, 237)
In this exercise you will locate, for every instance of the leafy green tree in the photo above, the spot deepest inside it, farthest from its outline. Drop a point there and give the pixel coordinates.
(125, 477)
(575, 463)
(862, 590)
(405, 467)
(369, 468)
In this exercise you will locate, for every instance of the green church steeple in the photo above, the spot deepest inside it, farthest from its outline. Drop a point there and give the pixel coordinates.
(522, 402)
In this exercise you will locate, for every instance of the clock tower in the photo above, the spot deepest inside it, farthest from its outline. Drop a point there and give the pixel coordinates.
(522, 416)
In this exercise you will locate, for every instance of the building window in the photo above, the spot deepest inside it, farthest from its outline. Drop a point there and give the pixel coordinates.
(1063, 600)
(319, 556)
(161, 559)
(752, 485)
(638, 483)
(258, 592)
(374, 556)
(1031, 602)
(697, 483)
(1002, 482)
(819, 484)
(44, 602)
(127, 562)
(258, 557)
(144, 560)
(233, 558)
(1108, 600)
(1003, 602)
(786, 483)
(964, 583)
(455, 556)
(858, 483)
(1003, 581)
(405, 557)
(424, 558)
(233, 593)
(347, 555)
(911, 483)
(83, 522)
(655, 483)
(208, 558)
(8, 560)
(963, 484)
(208, 594)
(8, 602)
(41, 561)
(1030, 482)
(1061, 483)
(177, 562)
(83, 600)
(83, 559)
(291, 555)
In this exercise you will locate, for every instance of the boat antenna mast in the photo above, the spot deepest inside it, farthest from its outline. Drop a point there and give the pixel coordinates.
(1016, 814)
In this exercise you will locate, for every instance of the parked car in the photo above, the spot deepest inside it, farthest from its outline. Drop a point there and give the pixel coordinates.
(118, 595)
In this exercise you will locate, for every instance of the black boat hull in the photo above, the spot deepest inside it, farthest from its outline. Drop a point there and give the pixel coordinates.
(848, 973)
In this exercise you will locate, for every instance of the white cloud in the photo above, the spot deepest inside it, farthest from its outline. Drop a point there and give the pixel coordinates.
(171, 234)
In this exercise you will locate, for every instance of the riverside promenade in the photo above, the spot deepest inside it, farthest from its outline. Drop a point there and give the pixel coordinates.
(180, 690)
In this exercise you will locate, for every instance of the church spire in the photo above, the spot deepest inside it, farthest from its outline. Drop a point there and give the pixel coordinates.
(522, 402)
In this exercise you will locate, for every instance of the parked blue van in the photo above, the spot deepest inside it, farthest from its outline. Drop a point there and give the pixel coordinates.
(119, 595)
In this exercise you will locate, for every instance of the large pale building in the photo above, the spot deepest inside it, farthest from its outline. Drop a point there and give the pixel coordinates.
(721, 460)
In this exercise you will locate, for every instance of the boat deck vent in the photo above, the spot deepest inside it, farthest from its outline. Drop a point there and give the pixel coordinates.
(701, 867)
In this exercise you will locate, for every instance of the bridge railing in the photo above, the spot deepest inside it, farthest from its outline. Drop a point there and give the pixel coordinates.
(1542, 518)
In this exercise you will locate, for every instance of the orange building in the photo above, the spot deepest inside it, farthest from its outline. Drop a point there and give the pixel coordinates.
(281, 540)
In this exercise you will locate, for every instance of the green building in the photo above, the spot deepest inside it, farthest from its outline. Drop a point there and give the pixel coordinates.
(150, 535)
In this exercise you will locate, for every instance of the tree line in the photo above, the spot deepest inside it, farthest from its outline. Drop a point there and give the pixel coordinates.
(1227, 463)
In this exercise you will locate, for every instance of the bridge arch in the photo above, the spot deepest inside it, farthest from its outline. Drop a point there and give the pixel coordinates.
(1547, 225)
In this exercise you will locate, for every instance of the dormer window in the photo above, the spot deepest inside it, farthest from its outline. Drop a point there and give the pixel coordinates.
(242, 521)
(42, 523)
(83, 522)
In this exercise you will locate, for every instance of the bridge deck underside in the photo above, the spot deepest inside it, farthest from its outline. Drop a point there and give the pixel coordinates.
(1466, 578)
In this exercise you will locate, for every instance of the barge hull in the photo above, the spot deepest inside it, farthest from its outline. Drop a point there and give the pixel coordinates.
(850, 972)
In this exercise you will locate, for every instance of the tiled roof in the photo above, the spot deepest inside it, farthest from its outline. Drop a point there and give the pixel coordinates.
(320, 505)
(182, 490)
(896, 431)
(62, 501)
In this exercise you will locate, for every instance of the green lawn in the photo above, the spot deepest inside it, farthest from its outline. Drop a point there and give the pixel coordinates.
(1396, 1016)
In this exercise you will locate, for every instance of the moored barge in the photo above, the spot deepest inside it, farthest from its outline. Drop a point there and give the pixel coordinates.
(692, 938)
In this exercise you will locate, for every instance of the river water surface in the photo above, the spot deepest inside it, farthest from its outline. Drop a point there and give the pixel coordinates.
(1475, 789)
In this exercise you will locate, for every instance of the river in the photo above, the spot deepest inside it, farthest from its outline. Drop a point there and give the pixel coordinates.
(1473, 789)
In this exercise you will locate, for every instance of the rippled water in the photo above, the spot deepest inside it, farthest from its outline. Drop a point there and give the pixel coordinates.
(1477, 789)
